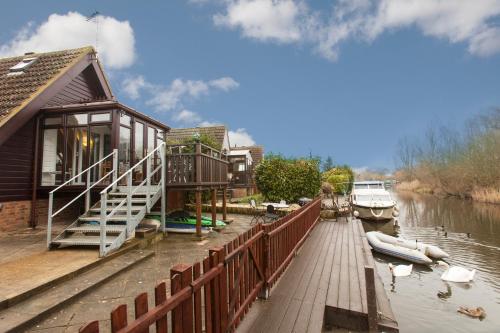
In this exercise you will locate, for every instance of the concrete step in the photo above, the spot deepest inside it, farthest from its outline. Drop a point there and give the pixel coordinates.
(18, 318)
(90, 228)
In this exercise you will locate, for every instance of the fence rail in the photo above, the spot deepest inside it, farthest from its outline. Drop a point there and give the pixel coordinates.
(214, 295)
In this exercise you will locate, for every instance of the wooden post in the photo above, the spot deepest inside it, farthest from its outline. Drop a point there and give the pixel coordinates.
(371, 299)
(214, 208)
(198, 213)
(36, 149)
(224, 204)
(185, 271)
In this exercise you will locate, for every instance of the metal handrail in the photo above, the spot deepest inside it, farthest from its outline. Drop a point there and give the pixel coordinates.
(132, 168)
(104, 216)
(81, 173)
(51, 215)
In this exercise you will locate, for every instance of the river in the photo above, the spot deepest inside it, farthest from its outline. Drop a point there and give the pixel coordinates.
(446, 223)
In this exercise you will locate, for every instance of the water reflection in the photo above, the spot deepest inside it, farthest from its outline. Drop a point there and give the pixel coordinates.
(469, 232)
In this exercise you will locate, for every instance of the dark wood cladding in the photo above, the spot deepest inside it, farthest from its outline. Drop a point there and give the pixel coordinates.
(16, 158)
(83, 88)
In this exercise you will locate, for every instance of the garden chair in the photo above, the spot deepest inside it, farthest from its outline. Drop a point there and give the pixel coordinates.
(256, 213)
(271, 215)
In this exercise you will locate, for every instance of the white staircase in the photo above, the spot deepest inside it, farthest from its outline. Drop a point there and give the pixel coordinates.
(112, 220)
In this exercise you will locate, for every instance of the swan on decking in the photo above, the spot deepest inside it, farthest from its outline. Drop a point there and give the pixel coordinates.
(455, 273)
(400, 270)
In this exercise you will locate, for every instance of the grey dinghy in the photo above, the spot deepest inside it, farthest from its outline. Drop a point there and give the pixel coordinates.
(413, 251)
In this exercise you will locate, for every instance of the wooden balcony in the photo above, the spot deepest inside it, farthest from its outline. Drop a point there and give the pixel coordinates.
(196, 167)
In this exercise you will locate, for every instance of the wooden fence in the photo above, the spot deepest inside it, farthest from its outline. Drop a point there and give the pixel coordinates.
(214, 295)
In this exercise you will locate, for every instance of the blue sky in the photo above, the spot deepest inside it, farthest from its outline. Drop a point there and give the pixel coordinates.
(344, 78)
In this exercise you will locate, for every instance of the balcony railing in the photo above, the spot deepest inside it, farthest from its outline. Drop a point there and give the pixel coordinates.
(195, 165)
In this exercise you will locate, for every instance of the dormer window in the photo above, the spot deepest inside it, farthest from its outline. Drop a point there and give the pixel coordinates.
(23, 65)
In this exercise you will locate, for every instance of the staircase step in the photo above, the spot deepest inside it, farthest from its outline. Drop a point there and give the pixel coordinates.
(134, 200)
(120, 218)
(90, 228)
(84, 240)
(121, 209)
(124, 194)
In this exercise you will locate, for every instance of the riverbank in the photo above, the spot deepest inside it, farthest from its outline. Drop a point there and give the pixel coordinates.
(485, 195)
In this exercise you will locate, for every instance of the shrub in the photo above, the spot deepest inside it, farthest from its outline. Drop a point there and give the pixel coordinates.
(280, 178)
(340, 177)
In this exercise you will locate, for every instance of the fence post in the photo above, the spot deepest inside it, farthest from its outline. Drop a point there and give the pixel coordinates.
(185, 271)
(371, 299)
(264, 292)
(223, 301)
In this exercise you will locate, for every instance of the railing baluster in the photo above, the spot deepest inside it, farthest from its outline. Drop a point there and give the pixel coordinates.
(49, 220)
(129, 202)
(102, 243)
(87, 196)
(115, 168)
(148, 183)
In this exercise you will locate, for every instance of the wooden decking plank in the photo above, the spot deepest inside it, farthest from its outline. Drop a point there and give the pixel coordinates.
(281, 295)
(360, 259)
(343, 300)
(354, 291)
(299, 290)
(315, 323)
(304, 314)
(332, 297)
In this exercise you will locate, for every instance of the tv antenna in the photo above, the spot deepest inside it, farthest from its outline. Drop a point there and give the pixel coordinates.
(94, 17)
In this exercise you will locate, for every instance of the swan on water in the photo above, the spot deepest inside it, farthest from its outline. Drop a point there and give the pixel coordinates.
(400, 270)
(455, 273)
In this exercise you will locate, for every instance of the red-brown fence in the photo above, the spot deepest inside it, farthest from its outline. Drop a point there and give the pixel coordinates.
(215, 295)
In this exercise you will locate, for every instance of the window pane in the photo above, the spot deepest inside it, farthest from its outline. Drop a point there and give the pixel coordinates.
(100, 117)
(124, 151)
(151, 139)
(77, 119)
(53, 121)
(124, 119)
(76, 150)
(139, 150)
(100, 146)
(52, 157)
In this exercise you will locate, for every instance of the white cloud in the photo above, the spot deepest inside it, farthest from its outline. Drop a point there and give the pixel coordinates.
(240, 137)
(474, 23)
(116, 42)
(133, 85)
(263, 19)
(187, 117)
(173, 96)
(225, 83)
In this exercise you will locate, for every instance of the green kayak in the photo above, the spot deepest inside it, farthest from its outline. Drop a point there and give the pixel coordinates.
(205, 221)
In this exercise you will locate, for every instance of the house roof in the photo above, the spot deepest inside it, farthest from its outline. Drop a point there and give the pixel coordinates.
(18, 90)
(257, 152)
(178, 135)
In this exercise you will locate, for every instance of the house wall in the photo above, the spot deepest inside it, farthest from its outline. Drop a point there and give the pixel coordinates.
(16, 165)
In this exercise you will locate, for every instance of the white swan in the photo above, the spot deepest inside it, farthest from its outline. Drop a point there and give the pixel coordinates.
(455, 273)
(400, 270)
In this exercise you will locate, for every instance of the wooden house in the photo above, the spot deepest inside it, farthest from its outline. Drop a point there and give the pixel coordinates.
(69, 151)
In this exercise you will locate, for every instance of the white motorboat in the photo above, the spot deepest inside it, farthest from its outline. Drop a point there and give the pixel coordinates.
(413, 251)
(370, 201)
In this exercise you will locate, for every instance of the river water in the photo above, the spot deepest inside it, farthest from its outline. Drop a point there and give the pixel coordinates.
(445, 222)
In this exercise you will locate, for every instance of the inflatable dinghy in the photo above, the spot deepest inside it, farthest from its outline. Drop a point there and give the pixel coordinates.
(413, 251)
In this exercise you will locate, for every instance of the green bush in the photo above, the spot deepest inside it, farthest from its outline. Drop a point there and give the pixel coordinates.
(340, 177)
(280, 178)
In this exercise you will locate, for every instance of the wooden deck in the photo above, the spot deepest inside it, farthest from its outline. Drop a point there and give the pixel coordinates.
(324, 287)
